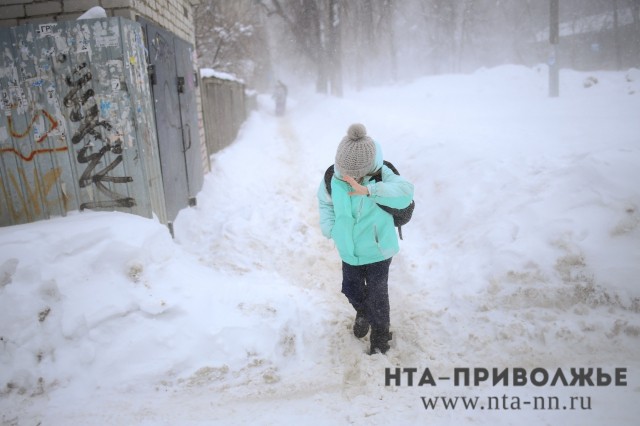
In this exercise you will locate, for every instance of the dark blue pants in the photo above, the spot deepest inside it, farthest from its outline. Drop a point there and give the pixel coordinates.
(366, 288)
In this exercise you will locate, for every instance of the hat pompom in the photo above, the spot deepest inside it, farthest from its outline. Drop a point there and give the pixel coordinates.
(356, 131)
(356, 154)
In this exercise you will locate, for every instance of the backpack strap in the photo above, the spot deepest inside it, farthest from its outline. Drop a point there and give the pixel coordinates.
(327, 178)
(392, 167)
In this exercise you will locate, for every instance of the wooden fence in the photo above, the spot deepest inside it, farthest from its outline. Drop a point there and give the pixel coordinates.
(224, 106)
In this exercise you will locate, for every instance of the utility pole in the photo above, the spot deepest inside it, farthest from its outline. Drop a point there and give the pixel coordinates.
(616, 35)
(635, 10)
(554, 39)
(335, 48)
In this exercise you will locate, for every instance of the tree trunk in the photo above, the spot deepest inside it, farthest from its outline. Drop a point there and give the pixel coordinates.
(635, 7)
(335, 48)
(616, 35)
(389, 19)
(365, 49)
(306, 28)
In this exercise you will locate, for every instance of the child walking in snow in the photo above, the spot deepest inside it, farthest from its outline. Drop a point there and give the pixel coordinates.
(364, 233)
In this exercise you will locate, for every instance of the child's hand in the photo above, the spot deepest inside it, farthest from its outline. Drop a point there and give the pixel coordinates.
(357, 188)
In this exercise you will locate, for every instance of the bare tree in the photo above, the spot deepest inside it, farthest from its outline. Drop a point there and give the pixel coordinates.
(370, 43)
(616, 34)
(315, 26)
(360, 49)
(440, 18)
(230, 37)
(335, 46)
(364, 42)
(388, 13)
(635, 11)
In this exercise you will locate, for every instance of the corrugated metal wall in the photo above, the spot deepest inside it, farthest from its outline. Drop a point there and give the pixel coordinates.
(77, 128)
(224, 111)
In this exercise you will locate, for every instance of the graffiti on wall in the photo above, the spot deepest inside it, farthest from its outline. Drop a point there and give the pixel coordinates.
(71, 112)
(29, 130)
(32, 196)
(77, 101)
(40, 137)
(28, 195)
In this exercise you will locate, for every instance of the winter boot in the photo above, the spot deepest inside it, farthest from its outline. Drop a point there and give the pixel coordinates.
(361, 325)
(379, 340)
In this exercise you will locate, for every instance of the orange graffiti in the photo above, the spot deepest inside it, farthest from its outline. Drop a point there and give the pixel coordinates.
(30, 205)
(33, 153)
(53, 124)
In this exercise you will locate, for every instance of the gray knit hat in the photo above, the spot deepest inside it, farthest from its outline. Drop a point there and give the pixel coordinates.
(356, 153)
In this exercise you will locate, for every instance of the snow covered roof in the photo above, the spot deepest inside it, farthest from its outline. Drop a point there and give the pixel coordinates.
(94, 13)
(209, 72)
(589, 24)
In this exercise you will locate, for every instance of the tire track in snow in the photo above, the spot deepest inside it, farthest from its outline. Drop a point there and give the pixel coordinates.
(301, 259)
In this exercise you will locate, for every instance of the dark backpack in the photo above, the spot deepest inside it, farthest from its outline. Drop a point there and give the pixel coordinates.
(400, 216)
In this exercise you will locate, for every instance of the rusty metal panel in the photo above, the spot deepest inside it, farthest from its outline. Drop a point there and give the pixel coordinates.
(76, 124)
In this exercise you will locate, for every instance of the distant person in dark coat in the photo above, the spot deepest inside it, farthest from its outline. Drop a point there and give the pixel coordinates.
(280, 96)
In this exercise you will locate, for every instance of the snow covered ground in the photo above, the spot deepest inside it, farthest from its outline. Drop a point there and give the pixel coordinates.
(524, 252)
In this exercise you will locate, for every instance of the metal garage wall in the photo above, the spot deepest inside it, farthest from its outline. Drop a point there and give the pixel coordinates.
(174, 86)
(77, 129)
(188, 88)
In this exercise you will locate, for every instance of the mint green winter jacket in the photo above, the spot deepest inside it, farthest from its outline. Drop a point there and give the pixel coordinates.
(362, 231)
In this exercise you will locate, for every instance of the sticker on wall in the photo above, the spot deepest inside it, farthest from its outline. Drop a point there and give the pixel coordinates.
(115, 66)
(83, 35)
(37, 82)
(25, 53)
(52, 99)
(44, 30)
(5, 103)
(45, 67)
(105, 107)
(83, 46)
(61, 43)
(46, 53)
(12, 76)
(36, 131)
(102, 36)
(17, 100)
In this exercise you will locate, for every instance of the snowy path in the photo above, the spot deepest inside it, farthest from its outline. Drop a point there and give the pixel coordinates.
(523, 253)
(502, 325)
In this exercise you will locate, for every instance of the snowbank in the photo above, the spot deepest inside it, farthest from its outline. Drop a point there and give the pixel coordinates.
(524, 251)
(208, 73)
(93, 13)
